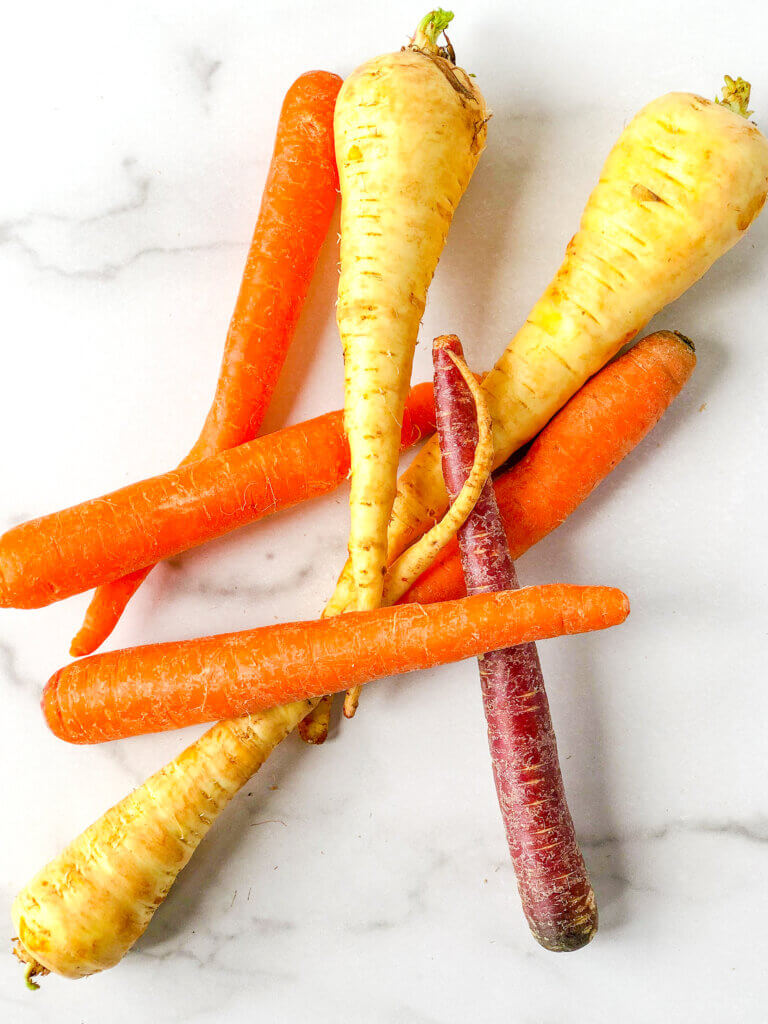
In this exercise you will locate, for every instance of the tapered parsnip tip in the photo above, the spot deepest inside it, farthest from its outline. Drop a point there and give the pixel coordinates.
(314, 727)
(351, 701)
(735, 96)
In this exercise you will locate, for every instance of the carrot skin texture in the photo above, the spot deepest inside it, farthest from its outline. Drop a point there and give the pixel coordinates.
(601, 424)
(296, 210)
(555, 891)
(166, 686)
(299, 199)
(606, 419)
(56, 556)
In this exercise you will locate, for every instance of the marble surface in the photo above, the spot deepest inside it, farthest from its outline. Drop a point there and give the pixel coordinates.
(369, 880)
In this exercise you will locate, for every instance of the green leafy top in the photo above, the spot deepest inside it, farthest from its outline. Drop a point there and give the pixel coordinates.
(430, 27)
(736, 96)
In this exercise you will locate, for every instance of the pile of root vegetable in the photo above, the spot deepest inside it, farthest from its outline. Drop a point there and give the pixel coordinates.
(430, 577)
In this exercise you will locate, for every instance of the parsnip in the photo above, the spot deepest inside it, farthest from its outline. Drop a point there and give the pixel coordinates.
(680, 188)
(88, 906)
(409, 129)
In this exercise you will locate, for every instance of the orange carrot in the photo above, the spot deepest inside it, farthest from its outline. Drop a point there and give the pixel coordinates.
(577, 449)
(66, 553)
(296, 209)
(166, 686)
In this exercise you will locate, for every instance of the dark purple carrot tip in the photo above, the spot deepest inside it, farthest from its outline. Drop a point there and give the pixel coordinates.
(568, 939)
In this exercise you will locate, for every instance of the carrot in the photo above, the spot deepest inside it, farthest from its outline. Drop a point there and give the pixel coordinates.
(409, 129)
(556, 894)
(600, 425)
(88, 906)
(85, 920)
(296, 209)
(168, 686)
(588, 438)
(682, 185)
(54, 557)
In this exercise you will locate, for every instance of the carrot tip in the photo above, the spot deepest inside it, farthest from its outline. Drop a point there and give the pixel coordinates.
(685, 340)
(49, 703)
(80, 645)
(566, 938)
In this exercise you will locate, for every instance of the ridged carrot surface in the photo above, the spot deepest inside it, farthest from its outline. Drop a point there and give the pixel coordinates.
(555, 891)
(577, 449)
(84, 910)
(166, 686)
(296, 209)
(56, 556)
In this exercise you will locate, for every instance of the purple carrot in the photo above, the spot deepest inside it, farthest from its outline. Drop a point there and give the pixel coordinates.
(555, 890)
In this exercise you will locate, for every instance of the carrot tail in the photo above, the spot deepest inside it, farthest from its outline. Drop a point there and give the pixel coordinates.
(296, 210)
(555, 890)
(167, 686)
(104, 612)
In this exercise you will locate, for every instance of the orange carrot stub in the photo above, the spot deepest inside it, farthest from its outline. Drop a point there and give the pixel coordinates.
(577, 449)
(296, 209)
(66, 553)
(166, 686)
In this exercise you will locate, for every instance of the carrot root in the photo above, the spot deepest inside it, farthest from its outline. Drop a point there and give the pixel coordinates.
(296, 210)
(167, 686)
(556, 894)
(56, 556)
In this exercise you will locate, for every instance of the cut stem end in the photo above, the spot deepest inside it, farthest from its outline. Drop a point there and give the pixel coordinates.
(735, 96)
(430, 28)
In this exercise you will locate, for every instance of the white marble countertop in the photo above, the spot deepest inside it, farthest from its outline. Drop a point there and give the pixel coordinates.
(368, 880)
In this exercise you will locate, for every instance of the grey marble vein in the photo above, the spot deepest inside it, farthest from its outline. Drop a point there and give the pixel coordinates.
(9, 669)
(415, 897)
(115, 752)
(109, 271)
(255, 591)
(204, 69)
(139, 186)
(755, 831)
(250, 591)
(215, 959)
(15, 232)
